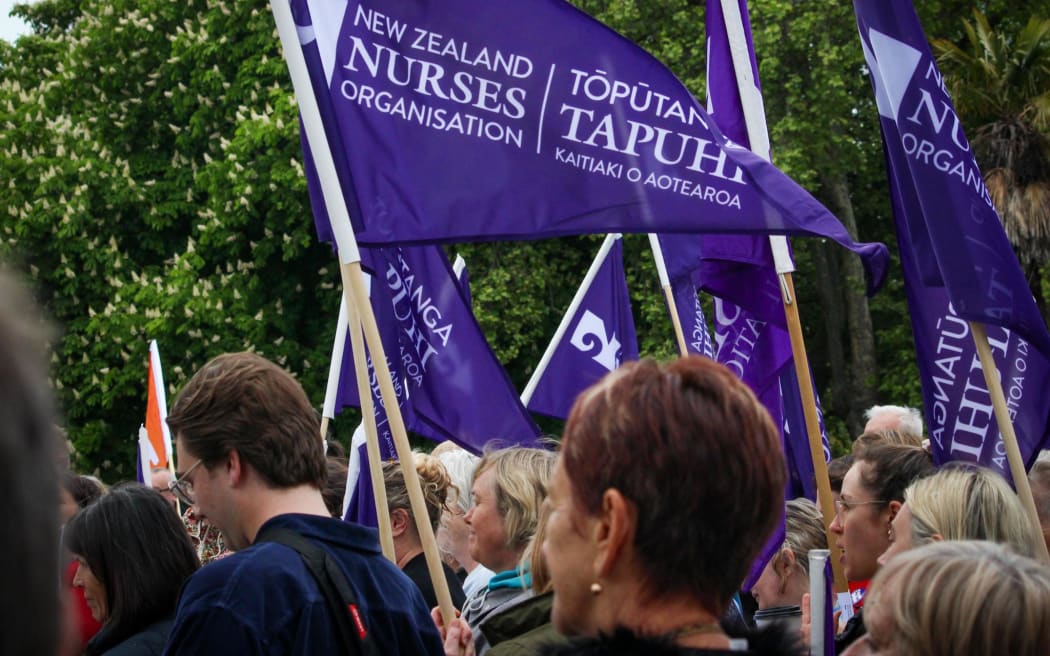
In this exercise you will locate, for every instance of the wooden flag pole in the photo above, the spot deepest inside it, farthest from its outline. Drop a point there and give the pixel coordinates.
(1006, 429)
(809, 406)
(368, 416)
(353, 285)
(755, 119)
(665, 284)
(350, 321)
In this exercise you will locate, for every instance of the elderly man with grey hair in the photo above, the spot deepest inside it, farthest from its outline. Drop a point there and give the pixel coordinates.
(893, 417)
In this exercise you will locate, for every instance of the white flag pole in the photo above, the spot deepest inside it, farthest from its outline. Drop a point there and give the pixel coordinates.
(458, 266)
(563, 327)
(368, 422)
(353, 288)
(334, 368)
(665, 284)
(758, 136)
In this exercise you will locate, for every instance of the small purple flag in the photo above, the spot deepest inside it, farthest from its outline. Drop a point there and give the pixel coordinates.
(449, 382)
(958, 264)
(471, 120)
(600, 336)
(691, 317)
(359, 502)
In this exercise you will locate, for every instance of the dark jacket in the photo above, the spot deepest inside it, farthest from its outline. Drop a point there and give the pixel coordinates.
(852, 632)
(263, 599)
(522, 629)
(767, 642)
(416, 569)
(147, 642)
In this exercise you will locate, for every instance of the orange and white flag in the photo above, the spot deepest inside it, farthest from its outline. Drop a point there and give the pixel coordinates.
(158, 436)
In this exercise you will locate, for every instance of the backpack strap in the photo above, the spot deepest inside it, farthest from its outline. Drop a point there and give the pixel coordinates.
(338, 594)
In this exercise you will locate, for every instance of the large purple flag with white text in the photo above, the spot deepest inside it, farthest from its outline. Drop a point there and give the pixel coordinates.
(958, 264)
(472, 120)
(449, 383)
(600, 336)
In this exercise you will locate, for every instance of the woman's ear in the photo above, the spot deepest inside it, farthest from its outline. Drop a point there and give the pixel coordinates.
(784, 564)
(398, 522)
(895, 507)
(613, 531)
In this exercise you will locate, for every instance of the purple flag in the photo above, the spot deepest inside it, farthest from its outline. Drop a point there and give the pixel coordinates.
(692, 319)
(956, 234)
(600, 336)
(449, 382)
(359, 502)
(750, 324)
(957, 262)
(471, 120)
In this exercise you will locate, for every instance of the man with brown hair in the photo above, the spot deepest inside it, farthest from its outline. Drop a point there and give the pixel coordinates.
(252, 463)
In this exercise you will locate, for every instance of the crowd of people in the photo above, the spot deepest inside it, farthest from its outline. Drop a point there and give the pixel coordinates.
(634, 535)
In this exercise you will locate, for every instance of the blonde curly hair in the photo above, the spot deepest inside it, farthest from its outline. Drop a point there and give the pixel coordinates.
(433, 478)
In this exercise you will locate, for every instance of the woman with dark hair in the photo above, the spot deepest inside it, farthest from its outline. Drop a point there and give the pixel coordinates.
(872, 495)
(133, 556)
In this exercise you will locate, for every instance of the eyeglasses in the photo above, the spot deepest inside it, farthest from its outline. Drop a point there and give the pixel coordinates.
(183, 488)
(843, 506)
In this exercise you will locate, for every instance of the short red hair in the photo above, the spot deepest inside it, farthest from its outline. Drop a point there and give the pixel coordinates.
(689, 444)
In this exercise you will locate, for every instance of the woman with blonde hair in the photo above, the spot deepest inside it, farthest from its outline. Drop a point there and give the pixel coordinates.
(508, 489)
(778, 591)
(961, 502)
(408, 547)
(961, 597)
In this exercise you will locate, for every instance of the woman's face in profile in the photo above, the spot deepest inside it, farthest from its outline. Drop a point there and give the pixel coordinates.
(570, 558)
(94, 591)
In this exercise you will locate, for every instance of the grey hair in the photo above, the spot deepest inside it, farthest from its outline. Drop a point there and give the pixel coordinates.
(911, 419)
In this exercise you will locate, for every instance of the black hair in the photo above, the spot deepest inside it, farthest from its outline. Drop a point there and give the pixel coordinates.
(139, 550)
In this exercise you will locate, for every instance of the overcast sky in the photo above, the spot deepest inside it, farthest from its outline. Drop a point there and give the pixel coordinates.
(10, 28)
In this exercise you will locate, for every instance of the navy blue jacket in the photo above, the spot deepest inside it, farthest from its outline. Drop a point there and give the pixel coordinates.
(263, 600)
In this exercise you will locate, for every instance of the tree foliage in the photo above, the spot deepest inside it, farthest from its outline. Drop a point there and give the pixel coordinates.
(155, 191)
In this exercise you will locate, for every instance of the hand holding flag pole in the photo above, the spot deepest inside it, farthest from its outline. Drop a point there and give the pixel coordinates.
(754, 116)
(368, 417)
(355, 293)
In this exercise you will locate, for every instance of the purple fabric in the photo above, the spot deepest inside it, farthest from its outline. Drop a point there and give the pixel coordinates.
(464, 286)
(801, 478)
(829, 612)
(472, 120)
(455, 387)
(957, 238)
(958, 265)
(750, 324)
(691, 316)
(599, 337)
(139, 474)
(362, 506)
(959, 416)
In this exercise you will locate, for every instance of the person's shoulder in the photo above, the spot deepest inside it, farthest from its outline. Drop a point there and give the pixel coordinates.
(262, 566)
(623, 642)
(148, 642)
